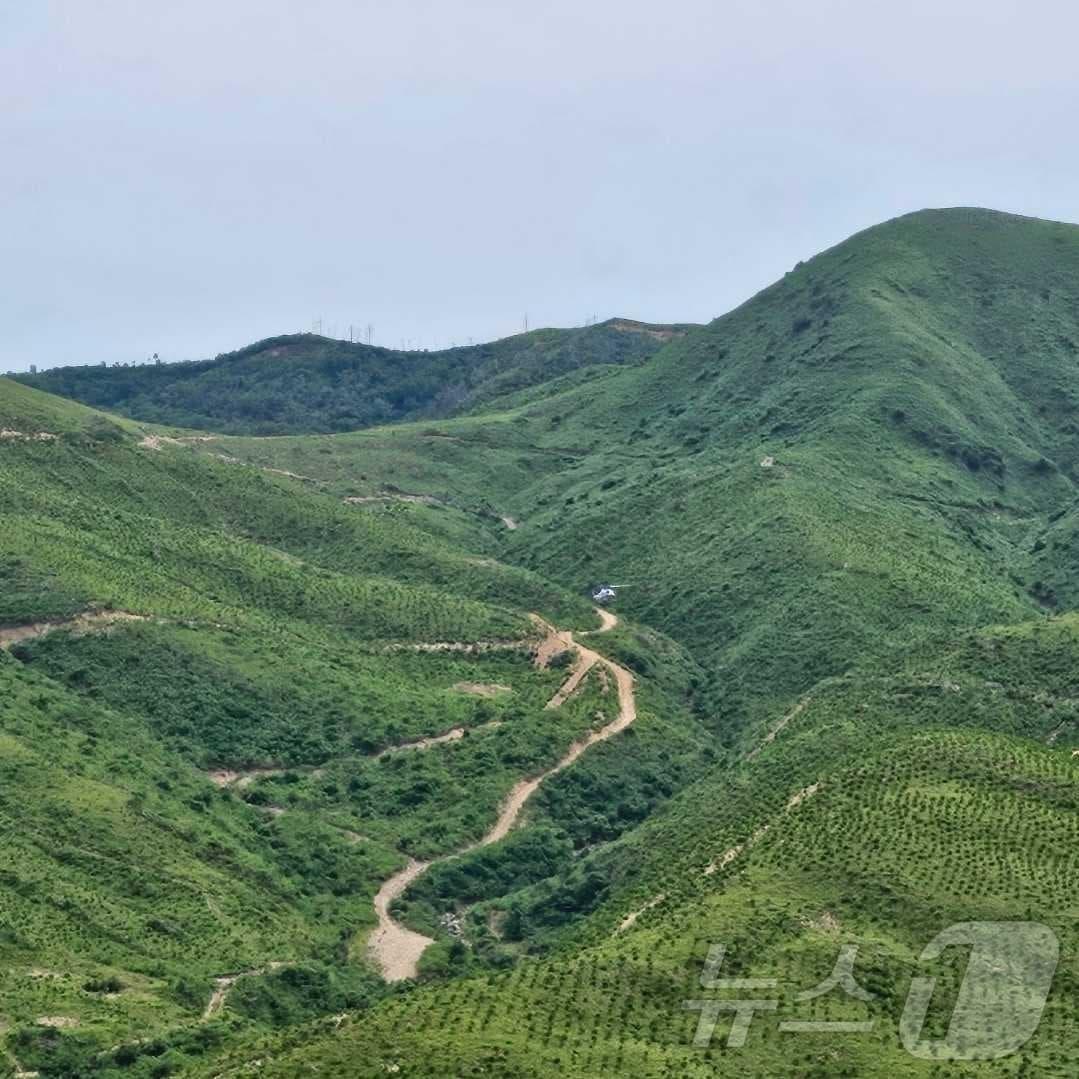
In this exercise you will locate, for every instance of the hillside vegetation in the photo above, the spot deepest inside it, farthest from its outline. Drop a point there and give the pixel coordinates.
(843, 521)
(882, 446)
(309, 383)
(206, 672)
(897, 803)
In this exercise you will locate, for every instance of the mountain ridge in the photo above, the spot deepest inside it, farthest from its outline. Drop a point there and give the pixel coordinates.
(309, 383)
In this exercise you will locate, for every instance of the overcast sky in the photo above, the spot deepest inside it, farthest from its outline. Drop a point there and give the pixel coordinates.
(185, 178)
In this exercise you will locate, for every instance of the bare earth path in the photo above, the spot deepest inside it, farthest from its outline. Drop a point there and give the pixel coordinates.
(88, 622)
(397, 950)
(223, 984)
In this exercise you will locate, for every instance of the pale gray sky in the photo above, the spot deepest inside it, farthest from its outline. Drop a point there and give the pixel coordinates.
(188, 177)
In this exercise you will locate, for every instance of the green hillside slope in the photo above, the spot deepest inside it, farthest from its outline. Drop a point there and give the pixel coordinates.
(303, 382)
(913, 795)
(843, 523)
(207, 671)
(870, 449)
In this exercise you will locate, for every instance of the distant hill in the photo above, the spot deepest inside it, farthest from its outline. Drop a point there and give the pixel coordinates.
(304, 383)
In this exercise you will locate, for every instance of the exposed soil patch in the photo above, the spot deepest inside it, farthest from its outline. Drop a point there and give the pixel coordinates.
(825, 922)
(585, 662)
(630, 919)
(157, 442)
(7, 435)
(802, 795)
(554, 643)
(242, 780)
(659, 333)
(482, 689)
(423, 500)
(291, 475)
(793, 714)
(454, 735)
(90, 622)
(731, 853)
(468, 647)
(223, 984)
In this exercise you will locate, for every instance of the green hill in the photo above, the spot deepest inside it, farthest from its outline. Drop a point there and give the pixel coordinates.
(870, 449)
(201, 666)
(843, 521)
(308, 383)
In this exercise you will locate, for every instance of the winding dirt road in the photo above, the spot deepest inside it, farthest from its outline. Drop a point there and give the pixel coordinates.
(397, 950)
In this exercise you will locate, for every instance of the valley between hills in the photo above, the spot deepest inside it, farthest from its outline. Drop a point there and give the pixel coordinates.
(299, 777)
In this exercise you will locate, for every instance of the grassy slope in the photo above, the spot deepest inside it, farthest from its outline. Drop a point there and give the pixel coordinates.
(302, 382)
(267, 608)
(938, 795)
(913, 386)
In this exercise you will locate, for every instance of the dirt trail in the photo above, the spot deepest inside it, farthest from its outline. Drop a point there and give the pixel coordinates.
(223, 984)
(630, 919)
(241, 780)
(159, 442)
(770, 737)
(156, 442)
(81, 623)
(397, 950)
(421, 500)
(455, 734)
(469, 647)
(7, 435)
(586, 660)
(729, 855)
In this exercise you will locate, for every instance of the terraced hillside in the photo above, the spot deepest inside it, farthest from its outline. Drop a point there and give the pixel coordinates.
(232, 707)
(905, 798)
(842, 520)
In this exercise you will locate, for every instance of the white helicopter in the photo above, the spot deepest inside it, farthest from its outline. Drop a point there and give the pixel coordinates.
(605, 593)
